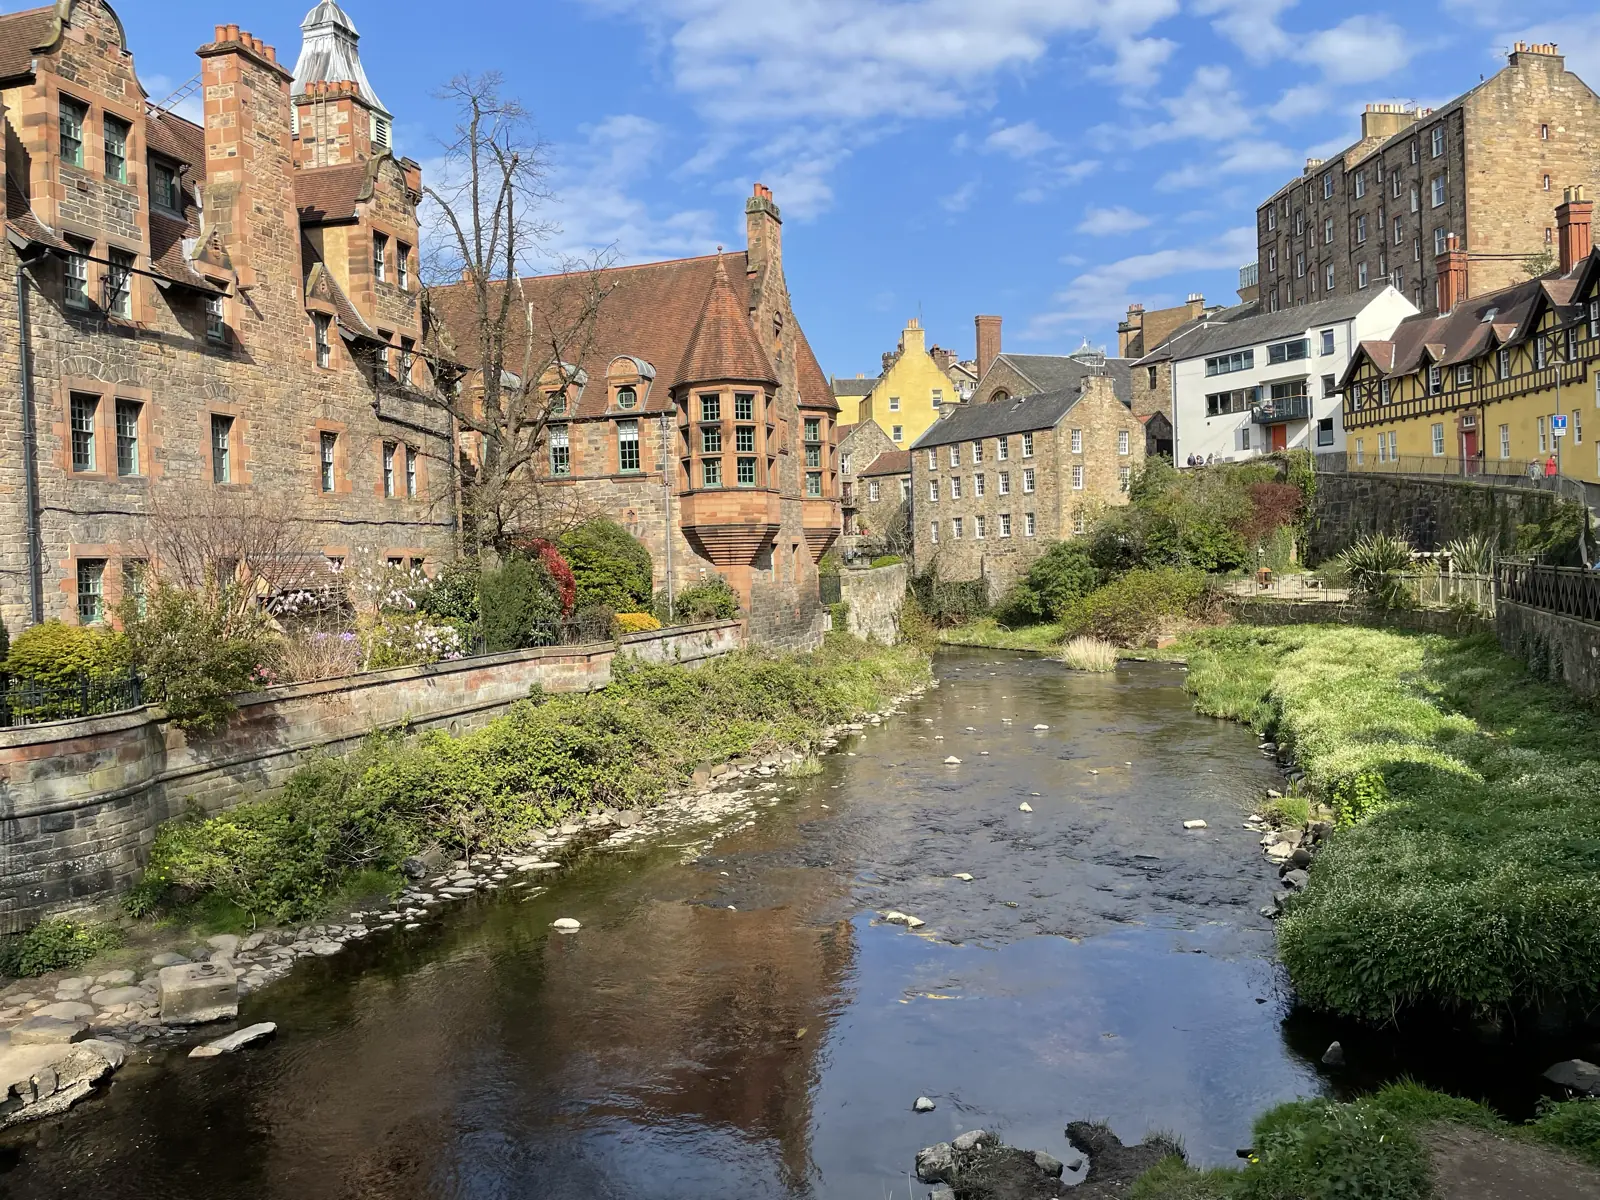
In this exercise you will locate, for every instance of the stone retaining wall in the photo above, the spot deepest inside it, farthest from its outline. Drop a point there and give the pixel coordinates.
(1558, 648)
(873, 600)
(80, 800)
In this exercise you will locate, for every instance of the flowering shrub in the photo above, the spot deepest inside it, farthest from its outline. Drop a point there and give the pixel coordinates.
(408, 639)
(305, 657)
(635, 623)
(543, 551)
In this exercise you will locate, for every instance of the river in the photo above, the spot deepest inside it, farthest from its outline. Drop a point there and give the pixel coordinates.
(734, 1020)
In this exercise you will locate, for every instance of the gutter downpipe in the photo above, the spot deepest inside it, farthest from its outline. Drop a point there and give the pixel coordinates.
(30, 449)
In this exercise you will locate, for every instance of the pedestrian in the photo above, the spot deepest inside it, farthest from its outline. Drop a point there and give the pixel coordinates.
(1550, 467)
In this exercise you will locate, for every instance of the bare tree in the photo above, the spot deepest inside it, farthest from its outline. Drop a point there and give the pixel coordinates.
(486, 230)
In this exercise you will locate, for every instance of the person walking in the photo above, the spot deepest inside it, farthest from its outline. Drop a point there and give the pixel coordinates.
(1550, 467)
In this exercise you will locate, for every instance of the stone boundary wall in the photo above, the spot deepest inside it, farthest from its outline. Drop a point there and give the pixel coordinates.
(80, 800)
(873, 599)
(1555, 647)
(1331, 612)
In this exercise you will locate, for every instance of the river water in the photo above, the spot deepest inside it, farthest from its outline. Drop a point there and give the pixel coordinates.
(733, 1019)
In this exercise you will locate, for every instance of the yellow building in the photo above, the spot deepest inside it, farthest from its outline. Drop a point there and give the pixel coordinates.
(1482, 387)
(909, 395)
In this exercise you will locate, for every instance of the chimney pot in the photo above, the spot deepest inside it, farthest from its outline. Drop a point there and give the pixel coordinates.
(222, 34)
(231, 33)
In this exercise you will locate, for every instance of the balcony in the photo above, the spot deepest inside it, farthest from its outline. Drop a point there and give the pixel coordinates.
(1281, 409)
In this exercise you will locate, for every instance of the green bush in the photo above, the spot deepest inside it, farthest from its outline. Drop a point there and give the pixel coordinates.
(490, 789)
(887, 560)
(1136, 605)
(1374, 563)
(55, 655)
(55, 945)
(452, 594)
(1573, 1125)
(947, 603)
(713, 600)
(612, 566)
(1323, 1150)
(518, 602)
(194, 650)
(1057, 577)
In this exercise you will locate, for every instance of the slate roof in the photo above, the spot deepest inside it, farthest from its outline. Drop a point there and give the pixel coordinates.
(325, 195)
(1170, 347)
(21, 33)
(890, 462)
(1021, 414)
(853, 387)
(651, 313)
(1212, 336)
(1055, 372)
(722, 345)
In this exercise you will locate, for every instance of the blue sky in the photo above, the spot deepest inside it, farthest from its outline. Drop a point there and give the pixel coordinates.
(1048, 160)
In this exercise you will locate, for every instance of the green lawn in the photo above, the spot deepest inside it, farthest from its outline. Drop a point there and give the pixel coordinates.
(989, 633)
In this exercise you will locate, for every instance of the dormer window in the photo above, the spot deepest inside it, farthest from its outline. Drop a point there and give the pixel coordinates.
(627, 397)
(165, 191)
(215, 325)
(557, 402)
(73, 116)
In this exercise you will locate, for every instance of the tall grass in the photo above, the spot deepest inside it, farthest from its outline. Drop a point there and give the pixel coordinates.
(1089, 654)
(1466, 876)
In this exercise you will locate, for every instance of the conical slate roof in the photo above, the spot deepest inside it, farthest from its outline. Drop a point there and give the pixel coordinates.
(328, 53)
(723, 346)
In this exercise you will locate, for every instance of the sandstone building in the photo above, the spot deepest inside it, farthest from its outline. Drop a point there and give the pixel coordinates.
(699, 419)
(199, 310)
(1485, 168)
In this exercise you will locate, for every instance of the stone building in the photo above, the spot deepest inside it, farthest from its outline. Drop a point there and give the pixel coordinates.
(1142, 331)
(1484, 168)
(992, 485)
(1496, 383)
(910, 394)
(860, 446)
(226, 309)
(698, 418)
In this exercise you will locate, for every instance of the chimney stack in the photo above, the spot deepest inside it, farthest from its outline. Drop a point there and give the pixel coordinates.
(1451, 269)
(763, 236)
(988, 342)
(1573, 228)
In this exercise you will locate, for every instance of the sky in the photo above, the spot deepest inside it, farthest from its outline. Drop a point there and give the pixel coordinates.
(1047, 160)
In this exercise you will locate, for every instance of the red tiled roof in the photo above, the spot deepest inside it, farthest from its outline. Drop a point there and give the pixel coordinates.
(327, 194)
(167, 257)
(183, 141)
(22, 33)
(722, 345)
(814, 389)
(890, 462)
(19, 216)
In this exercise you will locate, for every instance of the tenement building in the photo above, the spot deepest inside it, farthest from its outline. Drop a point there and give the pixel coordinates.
(1485, 168)
(1502, 382)
(203, 311)
(993, 484)
(696, 415)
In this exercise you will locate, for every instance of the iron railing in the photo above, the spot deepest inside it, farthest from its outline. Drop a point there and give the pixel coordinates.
(829, 588)
(1279, 409)
(1570, 591)
(25, 702)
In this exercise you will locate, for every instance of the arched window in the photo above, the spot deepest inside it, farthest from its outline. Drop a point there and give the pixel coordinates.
(627, 397)
(999, 394)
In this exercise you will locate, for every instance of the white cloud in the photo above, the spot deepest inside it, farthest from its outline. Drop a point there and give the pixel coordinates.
(1242, 158)
(1252, 25)
(1023, 140)
(1359, 49)
(961, 199)
(1138, 62)
(1302, 100)
(1100, 221)
(1210, 109)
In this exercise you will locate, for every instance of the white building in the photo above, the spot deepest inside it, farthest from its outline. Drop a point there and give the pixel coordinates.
(1245, 382)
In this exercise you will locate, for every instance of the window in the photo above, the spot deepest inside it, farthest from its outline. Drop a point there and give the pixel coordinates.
(164, 187)
(745, 470)
(1394, 188)
(1272, 259)
(1027, 479)
(127, 414)
(1124, 475)
(813, 429)
(91, 590)
(711, 443)
(711, 472)
(1505, 441)
(319, 325)
(627, 445)
(1327, 231)
(378, 131)
(1327, 341)
(1438, 438)
(955, 529)
(1502, 359)
(1594, 318)
(978, 528)
(1004, 480)
(1361, 275)
(1435, 381)
(221, 448)
(1361, 451)
(1464, 375)
(408, 356)
(329, 447)
(216, 325)
(1005, 525)
(874, 492)
(1077, 477)
(1383, 449)
(383, 351)
(116, 139)
(1361, 184)
(133, 570)
(744, 441)
(744, 406)
(389, 453)
(73, 115)
(977, 452)
(711, 408)
(1385, 387)
(1547, 183)
(977, 485)
(894, 403)
(955, 456)
(627, 397)
(380, 256)
(933, 460)
(1282, 352)
(1416, 202)
(1329, 385)
(119, 296)
(1272, 218)
(77, 273)
(1438, 141)
(1003, 446)
(1327, 186)
(1029, 526)
(1543, 437)
(1122, 441)
(955, 487)
(1244, 438)
(897, 433)
(84, 409)
(1438, 191)
(1325, 431)
(933, 532)
(1414, 153)
(813, 452)
(1544, 133)
(1399, 232)
(1027, 445)
(938, 397)
(1299, 223)
(933, 491)
(1327, 284)
(402, 262)
(1538, 353)
(905, 490)
(1361, 230)
(1226, 364)
(1077, 441)
(1394, 452)
(560, 452)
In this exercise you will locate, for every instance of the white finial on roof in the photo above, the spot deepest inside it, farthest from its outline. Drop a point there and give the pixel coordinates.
(328, 54)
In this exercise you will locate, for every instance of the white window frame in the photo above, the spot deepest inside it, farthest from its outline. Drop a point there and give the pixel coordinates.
(1077, 477)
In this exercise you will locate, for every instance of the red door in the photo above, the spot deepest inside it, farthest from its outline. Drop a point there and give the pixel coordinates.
(1279, 435)
(1469, 450)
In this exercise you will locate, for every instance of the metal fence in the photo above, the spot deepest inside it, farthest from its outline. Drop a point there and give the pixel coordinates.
(1570, 591)
(830, 589)
(32, 703)
(1502, 472)
(1446, 589)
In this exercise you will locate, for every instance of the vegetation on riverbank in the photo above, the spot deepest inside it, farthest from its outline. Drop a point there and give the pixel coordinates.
(547, 759)
(1374, 1148)
(1463, 875)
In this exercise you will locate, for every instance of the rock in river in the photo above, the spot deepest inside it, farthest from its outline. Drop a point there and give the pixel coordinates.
(1194, 825)
(1576, 1076)
(1024, 807)
(1333, 1056)
(565, 924)
(923, 1104)
(952, 761)
(235, 1041)
(936, 1163)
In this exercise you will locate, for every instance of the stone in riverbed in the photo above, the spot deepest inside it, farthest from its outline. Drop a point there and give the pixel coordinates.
(923, 1104)
(936, 1163)
(66, 1010)
(1024, 807)
(235, 1041)
(121, 995)
(1296, 879)
(227, 943)
(326, 949)
(896, 917)
(963, 876)
(194, 993)
(116, 978)
(1575, 1075)
(971, 1140)
(565, 924)
(952, 761)
(1333, 1056)
(48, 1031)
(1040, 727)
(169, 959)
(1195, 825)
(1048, 1163)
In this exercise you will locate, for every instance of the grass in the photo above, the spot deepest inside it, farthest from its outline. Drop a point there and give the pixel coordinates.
(1371, 1147)
(1089, 654)
(989, 633)
(803, 768)
(1463, 876)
